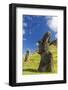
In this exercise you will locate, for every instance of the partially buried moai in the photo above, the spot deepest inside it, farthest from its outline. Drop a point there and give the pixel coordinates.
(46, 63)
(26, 56)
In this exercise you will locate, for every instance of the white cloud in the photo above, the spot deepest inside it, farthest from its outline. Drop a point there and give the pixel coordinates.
(56, 36)
(29, 17)
(30, 32)
(37, 44)
(48, 17)
(52, 22)
(24, 39)
(25, 24)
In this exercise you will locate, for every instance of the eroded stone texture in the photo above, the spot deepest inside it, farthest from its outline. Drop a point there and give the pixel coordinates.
(46, 62)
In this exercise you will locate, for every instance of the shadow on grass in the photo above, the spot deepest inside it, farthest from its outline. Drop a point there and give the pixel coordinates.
(30, 70)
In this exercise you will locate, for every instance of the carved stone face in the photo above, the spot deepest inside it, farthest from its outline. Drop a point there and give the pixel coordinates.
(49, 33)
(46, 37)
(44, 43)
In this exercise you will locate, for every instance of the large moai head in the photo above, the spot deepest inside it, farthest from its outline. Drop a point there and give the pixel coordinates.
(46, 37)
(43, 41)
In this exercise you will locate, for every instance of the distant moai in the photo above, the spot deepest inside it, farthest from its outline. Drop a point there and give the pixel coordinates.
(26, 56)
(46, 63)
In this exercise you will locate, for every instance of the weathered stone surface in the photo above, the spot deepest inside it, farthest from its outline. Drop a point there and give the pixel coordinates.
(46, 62)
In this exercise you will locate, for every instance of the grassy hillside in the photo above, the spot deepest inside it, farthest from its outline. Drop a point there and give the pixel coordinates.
(31, 66)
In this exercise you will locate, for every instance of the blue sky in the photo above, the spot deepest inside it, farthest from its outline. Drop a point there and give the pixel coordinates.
(34, 27)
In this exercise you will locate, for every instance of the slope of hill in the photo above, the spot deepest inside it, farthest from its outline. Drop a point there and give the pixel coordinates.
(31, 66)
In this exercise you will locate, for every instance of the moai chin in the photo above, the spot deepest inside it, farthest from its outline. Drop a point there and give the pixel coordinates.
(46, 62)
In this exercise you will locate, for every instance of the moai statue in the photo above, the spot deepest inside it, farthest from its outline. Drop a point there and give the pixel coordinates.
(26, 56)
(46, 63)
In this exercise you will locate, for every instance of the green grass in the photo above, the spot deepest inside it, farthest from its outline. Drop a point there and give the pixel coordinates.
(31, 66)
